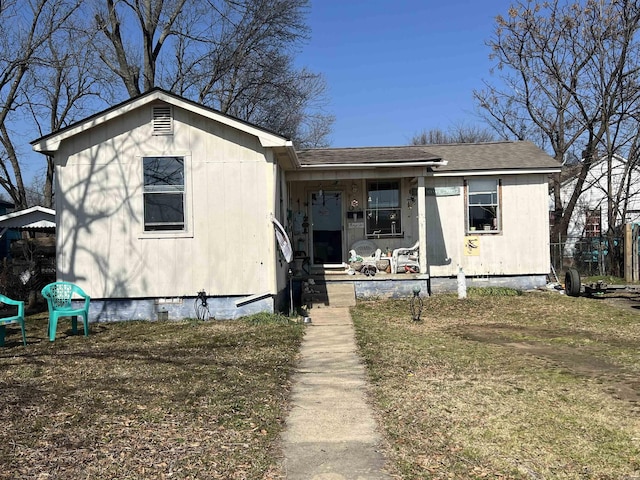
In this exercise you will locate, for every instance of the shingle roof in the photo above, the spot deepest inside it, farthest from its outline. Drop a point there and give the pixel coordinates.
(460, 157)
(331, 156)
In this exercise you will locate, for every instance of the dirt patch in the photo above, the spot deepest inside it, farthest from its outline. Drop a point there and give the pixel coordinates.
(538, 385)
(611, 378)
(628, 301)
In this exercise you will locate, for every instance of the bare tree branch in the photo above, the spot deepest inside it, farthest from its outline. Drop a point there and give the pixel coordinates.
(569, 75)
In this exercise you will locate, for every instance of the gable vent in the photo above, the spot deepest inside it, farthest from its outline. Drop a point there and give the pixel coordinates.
(162, 120)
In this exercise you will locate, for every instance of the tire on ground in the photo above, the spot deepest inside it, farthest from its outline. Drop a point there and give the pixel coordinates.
(572, 282)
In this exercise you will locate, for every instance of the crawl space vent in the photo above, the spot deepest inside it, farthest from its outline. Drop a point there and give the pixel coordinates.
(162, 120)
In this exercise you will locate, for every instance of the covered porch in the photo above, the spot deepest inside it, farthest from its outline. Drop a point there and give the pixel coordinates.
(359, 215)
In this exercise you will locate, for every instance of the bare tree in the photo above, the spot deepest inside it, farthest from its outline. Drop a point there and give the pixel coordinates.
(60, 58)
(457, 134)
(25, 29)
(62, 87)
(568, 74)
(35, 191)
(232, 55)
(153, 21)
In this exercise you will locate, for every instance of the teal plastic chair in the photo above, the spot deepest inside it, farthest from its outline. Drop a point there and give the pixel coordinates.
(15, 320)
(59, 296)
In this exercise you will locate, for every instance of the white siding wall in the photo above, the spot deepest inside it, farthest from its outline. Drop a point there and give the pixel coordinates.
(522, 247)
(229, 248)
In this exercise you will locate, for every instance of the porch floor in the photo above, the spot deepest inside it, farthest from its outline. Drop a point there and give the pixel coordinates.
(340, 275)
(331, 288)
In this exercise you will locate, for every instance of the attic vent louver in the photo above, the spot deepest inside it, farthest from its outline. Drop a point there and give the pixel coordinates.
(162, 120)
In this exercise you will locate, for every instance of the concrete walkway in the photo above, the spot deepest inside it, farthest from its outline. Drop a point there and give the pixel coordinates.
(331, 433)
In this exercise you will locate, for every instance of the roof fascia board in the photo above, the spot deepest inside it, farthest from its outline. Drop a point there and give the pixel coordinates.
(478, 173)
(287, 157)
(266, 139)
(37, 225)
(342, 166)
(345, 174)
(291, 151)
(52, 143)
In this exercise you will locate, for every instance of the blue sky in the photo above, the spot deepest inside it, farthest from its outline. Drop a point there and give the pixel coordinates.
(395, 68)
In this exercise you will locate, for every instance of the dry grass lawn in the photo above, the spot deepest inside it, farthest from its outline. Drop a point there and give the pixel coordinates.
(537, 386)
(146, 400)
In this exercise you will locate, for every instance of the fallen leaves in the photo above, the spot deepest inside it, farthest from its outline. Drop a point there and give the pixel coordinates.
(150, 400)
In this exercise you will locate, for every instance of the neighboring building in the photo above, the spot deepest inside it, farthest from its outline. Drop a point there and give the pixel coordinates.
(159, 198)
(589, 222)
(6, 237)
(30, 241)
(31, 220)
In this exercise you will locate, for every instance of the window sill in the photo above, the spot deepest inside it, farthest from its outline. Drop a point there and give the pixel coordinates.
(385, 235)
(165, 234)
(483, 232)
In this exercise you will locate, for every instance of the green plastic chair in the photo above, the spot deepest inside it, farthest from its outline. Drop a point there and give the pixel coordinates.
(59, 296)
(16, 319)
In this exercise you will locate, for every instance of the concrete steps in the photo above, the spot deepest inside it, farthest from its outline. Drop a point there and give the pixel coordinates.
(329, 294)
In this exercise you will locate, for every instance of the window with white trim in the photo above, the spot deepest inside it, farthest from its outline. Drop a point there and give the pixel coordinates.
(483, 204)
(164, 194)
(383, 212)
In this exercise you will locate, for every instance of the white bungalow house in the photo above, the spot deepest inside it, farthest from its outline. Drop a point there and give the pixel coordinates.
(159, 198)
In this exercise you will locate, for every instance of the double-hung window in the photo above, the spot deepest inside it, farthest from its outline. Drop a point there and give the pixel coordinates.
(164, 193)
(383, 211)
(483, 204)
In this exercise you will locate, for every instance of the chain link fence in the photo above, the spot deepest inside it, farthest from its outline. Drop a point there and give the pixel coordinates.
(590, 256)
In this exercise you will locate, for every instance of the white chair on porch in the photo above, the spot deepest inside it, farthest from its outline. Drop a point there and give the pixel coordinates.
(368, 251)
(405, 259)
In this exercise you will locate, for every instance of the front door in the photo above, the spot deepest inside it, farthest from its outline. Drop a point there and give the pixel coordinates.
(326, 231)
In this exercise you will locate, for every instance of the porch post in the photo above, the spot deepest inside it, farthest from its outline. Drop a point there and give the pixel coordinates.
(422, 225)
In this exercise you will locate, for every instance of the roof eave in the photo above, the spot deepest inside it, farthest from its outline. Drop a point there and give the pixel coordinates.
(37, 217)
(49, 144)
(341, 166)
(289, 154)
(27, 211)
(502, 171)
